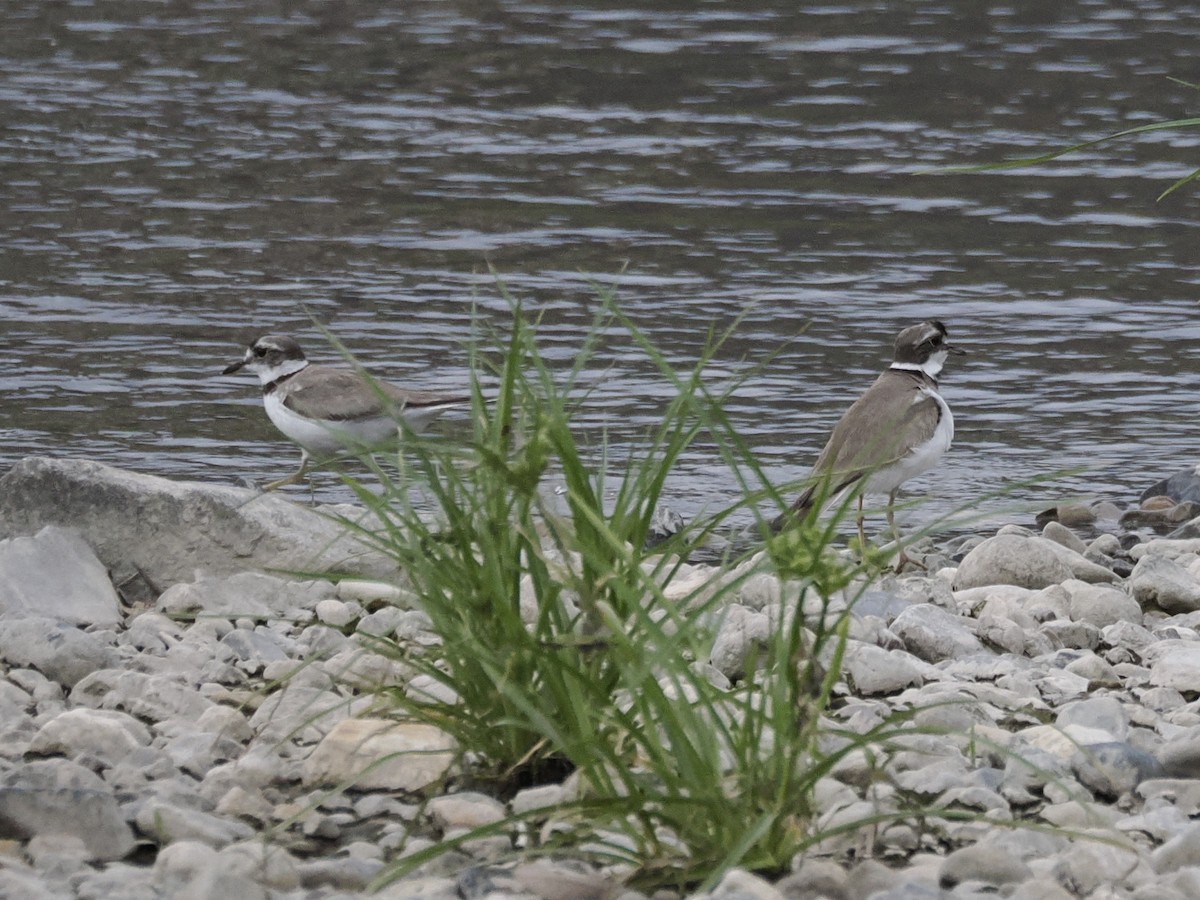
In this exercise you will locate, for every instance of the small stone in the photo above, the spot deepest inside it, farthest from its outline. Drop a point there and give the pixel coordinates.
(739, 884)
(1087, 867)
(369, 594)
(336, 613)
(168, 823)
(986, 862)
(1157, 503)
(467, 809)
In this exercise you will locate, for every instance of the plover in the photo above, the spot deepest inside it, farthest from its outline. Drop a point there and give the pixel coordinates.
(896, 430)
(328, 410)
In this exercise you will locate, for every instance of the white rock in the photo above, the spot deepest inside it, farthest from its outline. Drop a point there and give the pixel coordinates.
(1178, 668)
(381, 754)
(246, 594)
(1102, 605)
(1169, 548)
(108, 734)
(145, 696)
(55, 575)
(932, 634)
(163, 531)
(1012, 559)
(743, 633)
(168, 823)
(466, 809)
(59, 797)
(191, 870)
(337, 613)
(873, 670)
(364, 593)
(299, 711)
(1166, 584)
(58, 650)
(739, 884)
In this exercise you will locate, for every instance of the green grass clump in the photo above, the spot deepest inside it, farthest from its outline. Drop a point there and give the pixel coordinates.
(568, 646)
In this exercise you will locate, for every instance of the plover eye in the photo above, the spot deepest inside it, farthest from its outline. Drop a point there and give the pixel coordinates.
(260, 352)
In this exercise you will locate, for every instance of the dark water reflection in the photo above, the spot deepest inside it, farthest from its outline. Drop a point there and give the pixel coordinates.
(176, 178)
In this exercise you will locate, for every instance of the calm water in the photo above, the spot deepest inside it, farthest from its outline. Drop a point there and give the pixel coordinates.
(178, 177)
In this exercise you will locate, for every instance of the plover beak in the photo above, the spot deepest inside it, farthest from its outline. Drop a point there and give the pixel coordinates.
(957, 351)
(233, 367)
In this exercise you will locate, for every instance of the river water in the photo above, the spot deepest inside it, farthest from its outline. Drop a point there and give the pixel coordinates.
(179, 177)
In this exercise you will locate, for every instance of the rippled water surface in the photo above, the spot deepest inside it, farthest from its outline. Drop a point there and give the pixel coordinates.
(178, 177)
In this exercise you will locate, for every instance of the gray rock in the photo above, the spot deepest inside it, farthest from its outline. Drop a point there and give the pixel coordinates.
(250, 595)
(466, 809)
(299, 711)
(381, 754)
(59, 797)
(1011, 559)
(1106, 714)
(932, 634)
(1102, 605)
(1181, 793)
(191, 870)
(986, 862)
(129, 882)
(145, 696)
(254, 649)
(59, 651)
(1180, 756)
(1178, 668)
(108, 735)
(345, 873)
(1113, 769)
(55, 575)
(168, 823)
(816, 878)
(743, 632)
(557, 881)
(1075, 635)
(1180, 852)
(141, 526)
(1166, 584)
(22, 883)
(1180, 487)
(1088, 866)
(1064, 536)
(873, 670)
(430, 887)
(261, 861)
(739, 884)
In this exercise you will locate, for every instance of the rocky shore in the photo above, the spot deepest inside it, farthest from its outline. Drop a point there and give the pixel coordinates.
(178, 717)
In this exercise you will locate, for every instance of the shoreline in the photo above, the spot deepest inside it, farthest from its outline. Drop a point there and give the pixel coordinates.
(177, 715)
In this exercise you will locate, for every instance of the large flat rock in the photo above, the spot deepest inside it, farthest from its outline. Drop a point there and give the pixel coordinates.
(163, 531)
